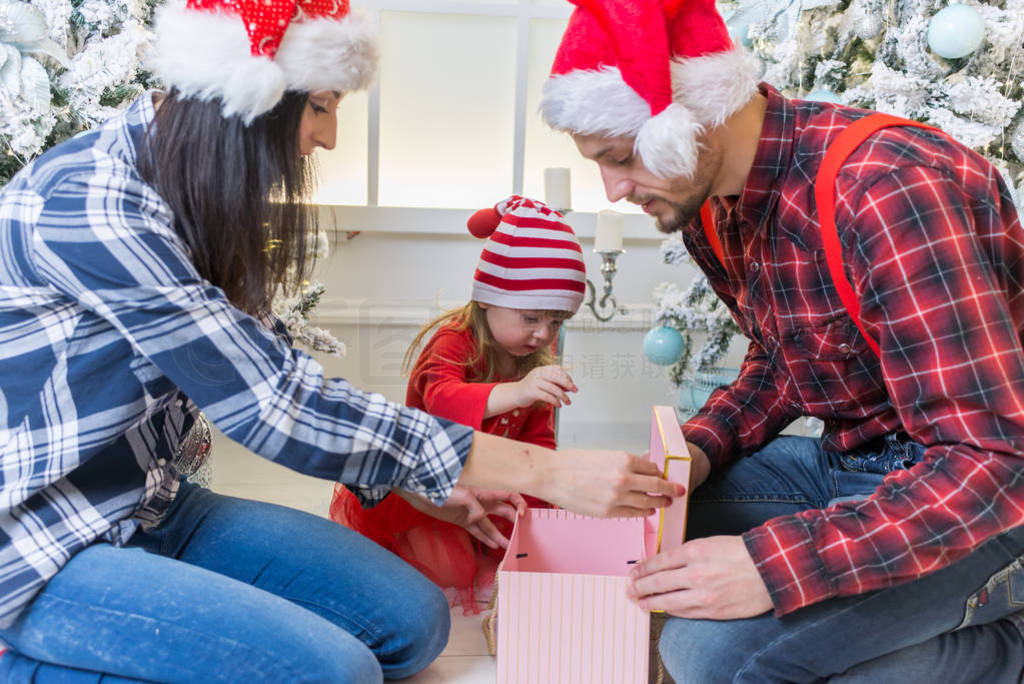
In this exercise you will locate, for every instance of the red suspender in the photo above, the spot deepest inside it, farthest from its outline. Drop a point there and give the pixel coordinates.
(709, 230)
(824, 197)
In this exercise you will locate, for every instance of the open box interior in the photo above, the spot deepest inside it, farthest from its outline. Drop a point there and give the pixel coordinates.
(561, 542)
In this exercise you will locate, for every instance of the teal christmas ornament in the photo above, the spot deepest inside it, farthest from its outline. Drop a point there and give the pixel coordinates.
(739, 29)
(823, 95)
(956, 31)
(663, 346)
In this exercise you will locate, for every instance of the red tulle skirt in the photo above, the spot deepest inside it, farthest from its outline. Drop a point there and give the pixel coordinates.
(447, 554)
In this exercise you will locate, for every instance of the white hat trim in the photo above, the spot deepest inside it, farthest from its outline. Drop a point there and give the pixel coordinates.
(207, 54)
(590, 101)
(667, 143)
(715, 86)
(707, 90)
(535, 300)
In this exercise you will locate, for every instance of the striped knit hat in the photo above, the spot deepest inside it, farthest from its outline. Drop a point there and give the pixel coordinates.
(532, 259)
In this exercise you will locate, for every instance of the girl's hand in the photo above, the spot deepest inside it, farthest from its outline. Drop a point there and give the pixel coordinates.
(550, 384)
(469, 507)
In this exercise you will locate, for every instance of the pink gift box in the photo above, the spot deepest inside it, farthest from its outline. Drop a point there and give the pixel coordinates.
(563, 615)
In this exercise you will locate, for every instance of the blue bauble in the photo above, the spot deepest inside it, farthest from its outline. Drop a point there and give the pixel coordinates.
(955, 31)
(663, 346)
(823, 95)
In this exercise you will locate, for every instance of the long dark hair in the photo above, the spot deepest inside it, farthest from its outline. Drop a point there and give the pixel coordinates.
(238, 192)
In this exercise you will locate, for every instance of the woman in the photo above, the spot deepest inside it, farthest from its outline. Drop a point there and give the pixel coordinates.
(135, 266)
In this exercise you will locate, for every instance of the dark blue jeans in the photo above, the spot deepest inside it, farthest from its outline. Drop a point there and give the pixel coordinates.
(230, 590)
(954, 625)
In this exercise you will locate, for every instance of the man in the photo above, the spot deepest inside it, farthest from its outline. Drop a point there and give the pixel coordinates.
(892, 545)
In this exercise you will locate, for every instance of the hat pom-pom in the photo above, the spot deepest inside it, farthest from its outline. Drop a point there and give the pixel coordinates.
(482, 223)
(667, 143)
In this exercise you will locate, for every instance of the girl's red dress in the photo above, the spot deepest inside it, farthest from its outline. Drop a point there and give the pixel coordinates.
(444, 552)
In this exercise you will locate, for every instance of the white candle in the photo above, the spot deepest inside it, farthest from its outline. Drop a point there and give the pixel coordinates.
(608, 234)
(556, 189)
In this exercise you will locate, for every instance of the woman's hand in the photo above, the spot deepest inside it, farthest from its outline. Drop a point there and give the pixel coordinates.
(607, 483)
(469, 507)
(549, 384)
(592, 482)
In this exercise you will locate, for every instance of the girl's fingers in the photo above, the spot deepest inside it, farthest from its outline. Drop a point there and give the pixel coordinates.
(556, 391)
(519, 502)
(481, 536)
(502, 510)
(495, 538)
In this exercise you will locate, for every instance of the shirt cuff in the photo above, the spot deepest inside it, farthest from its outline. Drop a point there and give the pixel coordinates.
(785, 555)
(714, 436)
(443, 453)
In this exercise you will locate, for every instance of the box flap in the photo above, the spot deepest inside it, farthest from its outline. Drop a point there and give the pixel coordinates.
(666, 527)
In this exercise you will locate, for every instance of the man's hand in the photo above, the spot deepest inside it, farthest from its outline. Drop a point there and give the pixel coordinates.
(469, 507)
(712, 578)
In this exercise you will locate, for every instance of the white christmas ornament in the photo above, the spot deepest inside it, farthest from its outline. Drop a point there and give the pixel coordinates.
(867, 26)
(955, 31)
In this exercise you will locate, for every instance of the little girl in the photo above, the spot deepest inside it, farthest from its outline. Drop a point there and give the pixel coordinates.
(489, 365)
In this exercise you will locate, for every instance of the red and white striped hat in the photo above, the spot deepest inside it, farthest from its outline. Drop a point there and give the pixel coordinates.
(532, 259)
(661, 71)
(249, 52)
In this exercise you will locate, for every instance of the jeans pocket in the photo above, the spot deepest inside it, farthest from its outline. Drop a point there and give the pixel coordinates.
(851, 485)
(1001, 595)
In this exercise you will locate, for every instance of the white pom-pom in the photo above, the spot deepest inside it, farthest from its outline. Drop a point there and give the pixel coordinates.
(254, 88)
(667, 143)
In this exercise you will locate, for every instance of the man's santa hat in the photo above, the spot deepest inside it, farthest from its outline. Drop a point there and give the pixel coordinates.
(248, 53)
(661, 71)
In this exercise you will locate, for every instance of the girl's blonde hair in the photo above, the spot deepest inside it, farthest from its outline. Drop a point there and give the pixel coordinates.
(473, 317)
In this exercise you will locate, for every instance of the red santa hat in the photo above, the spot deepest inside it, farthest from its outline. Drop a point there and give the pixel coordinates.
(249, 52)
(532, 259)
(658, 70)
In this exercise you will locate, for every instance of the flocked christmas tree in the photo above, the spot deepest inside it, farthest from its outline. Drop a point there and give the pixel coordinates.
(959, 67)
(66, 65)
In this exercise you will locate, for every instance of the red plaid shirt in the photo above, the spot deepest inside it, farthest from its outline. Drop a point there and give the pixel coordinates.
(935, 251)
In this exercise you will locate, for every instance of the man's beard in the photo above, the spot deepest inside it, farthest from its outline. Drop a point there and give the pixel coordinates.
(682, 214)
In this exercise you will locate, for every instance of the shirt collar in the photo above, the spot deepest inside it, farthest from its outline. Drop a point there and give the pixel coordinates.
(771, 161)
(136, 119)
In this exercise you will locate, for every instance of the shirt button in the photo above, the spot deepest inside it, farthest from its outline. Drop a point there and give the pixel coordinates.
(161, 462)
(754, 266)
(844, 348)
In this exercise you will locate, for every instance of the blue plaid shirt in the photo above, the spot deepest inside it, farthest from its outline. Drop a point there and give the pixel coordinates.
(110, 342)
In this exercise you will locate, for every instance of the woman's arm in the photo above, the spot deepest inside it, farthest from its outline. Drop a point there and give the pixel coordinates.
(594, 482)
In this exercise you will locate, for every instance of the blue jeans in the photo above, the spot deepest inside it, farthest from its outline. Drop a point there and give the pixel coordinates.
(230, 590)
(958, 621)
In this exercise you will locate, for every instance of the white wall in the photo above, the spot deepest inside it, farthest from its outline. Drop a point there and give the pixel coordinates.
(406, 266)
